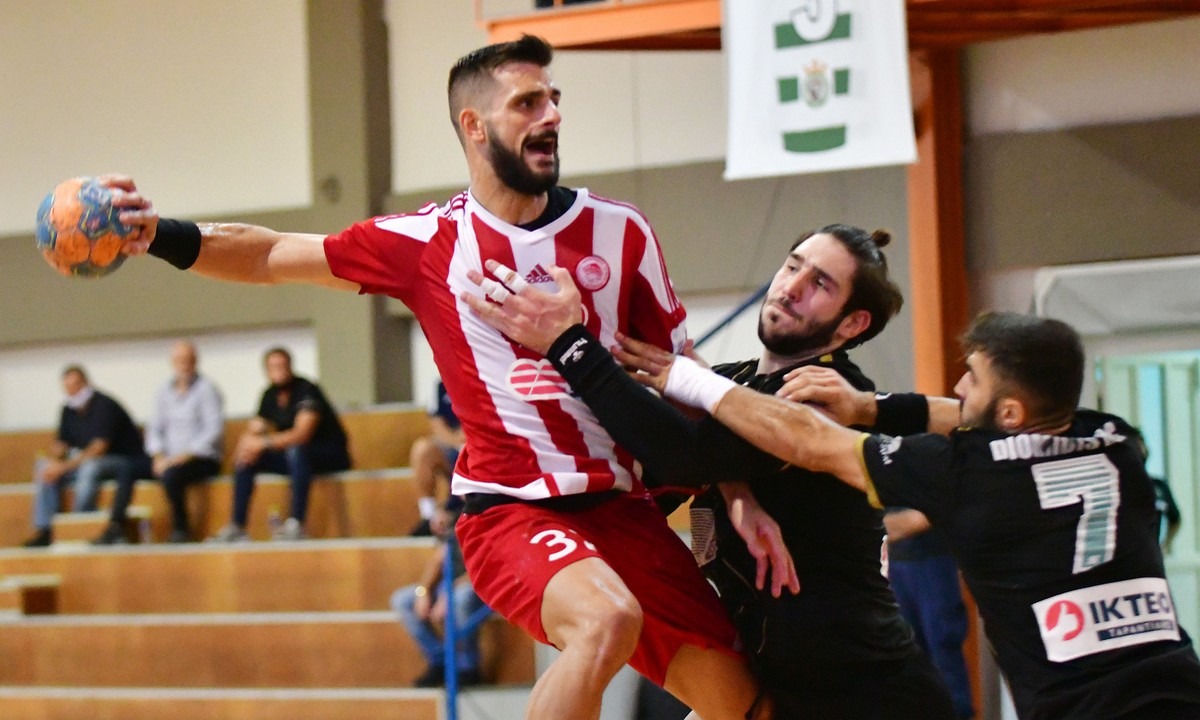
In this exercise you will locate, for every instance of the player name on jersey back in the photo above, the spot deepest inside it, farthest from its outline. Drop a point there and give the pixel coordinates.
(1106, 617)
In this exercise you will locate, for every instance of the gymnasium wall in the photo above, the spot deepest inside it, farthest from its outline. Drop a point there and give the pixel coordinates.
(306, 115)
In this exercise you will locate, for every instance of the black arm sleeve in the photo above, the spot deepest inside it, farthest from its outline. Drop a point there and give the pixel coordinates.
(901, 414)
(675, 450)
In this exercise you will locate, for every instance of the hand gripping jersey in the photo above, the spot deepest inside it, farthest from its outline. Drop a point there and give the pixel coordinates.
(527, 437)
(1054, 537)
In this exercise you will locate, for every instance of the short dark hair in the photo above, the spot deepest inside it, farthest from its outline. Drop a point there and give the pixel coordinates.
(75, 370)
(278, 350)
(473, 71)
(871, 289)
(1040, 359)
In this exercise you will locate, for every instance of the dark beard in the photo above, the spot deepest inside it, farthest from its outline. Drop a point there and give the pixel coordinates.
(987, 418)
(512, 170)
(816, 338)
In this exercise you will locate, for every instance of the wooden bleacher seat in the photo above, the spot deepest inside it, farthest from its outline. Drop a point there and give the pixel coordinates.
(41, 703)
(29, 594)
(262, 630)
(244, 650)
(380, 437)
(355, 503)
(83, 527)
(309, 576)
(18, 449)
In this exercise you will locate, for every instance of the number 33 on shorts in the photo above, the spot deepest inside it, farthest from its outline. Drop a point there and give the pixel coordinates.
(558, 539)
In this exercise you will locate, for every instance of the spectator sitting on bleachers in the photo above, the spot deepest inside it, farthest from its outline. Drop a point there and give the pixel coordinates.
(432, 457)
(422, 608)
(184, 439)
(295, 432)
(96, 440)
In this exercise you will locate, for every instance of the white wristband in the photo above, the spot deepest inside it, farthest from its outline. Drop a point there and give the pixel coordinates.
(693, 385)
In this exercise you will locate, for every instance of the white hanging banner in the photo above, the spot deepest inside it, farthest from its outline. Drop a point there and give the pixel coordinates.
(816, 85)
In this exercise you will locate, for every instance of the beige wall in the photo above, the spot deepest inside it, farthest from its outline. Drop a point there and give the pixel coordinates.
(148, 298)
(375, 105)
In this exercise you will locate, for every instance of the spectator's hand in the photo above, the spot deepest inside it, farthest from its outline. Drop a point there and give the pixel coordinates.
(135, 211)
(249, 448)
(522, 312)
(422, 605)
(440, 523)
(162, 463)
(763, 539)
(437, 614)
(52, 471)
(829, 392)
(648, 364)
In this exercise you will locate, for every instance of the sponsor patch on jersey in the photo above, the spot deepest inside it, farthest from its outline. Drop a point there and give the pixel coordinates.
(1106, 617)
(533, 380)
(592, 273)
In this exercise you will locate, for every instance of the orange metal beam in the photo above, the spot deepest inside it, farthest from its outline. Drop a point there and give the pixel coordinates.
(632, 25)
(937, 261)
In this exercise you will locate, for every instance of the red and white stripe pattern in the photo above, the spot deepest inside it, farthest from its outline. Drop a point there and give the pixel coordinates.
(526, 436)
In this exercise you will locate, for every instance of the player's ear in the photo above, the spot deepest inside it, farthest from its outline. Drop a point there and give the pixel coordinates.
(473, 127)
(854, 324)
(1011, 414)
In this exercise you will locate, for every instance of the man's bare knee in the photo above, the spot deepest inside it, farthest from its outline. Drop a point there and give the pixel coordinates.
(588, 609)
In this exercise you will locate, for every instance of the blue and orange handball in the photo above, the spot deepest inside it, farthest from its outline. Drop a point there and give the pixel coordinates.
(79, 231)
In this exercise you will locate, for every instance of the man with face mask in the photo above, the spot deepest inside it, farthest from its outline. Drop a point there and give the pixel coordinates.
(96, 441)
(839, 648)
(296, 432)
(558, 534)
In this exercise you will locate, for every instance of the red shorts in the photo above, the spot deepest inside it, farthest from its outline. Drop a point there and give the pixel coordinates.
(511, 551)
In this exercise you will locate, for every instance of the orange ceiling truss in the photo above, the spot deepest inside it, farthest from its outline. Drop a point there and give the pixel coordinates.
(696, 24)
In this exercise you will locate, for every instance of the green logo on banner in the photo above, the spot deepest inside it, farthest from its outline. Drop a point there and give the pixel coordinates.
(814, 22)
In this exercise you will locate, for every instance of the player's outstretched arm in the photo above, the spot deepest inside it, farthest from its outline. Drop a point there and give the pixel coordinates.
(793, 432)
(895, 414)
(226, 251)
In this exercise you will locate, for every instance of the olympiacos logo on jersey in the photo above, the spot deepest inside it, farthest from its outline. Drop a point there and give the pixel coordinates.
(1106, 617)
(533, 380)
(592, 273)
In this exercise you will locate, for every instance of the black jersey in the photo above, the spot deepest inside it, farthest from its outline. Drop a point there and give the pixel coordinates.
(845, 612)
(1053, 536)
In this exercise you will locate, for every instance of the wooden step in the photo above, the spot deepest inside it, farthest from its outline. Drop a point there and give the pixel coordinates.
(29, 594)
(41, 703)
(356, 503)
(83, 527)
(16, 513)
(34, 703)
(247, 650)
(311, 575)
(379, 437)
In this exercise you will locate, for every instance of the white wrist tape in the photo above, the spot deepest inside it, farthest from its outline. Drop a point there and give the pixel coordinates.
(695, 386)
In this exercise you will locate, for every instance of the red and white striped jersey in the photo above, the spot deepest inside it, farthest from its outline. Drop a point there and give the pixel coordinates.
(527, 436)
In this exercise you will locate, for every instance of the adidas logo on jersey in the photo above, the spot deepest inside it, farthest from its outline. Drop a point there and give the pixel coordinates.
(538, 275)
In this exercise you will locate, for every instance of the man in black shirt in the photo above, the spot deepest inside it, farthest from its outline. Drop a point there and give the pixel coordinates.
(296, 432)
(96, 441)
(1047, 509)
(839, 648)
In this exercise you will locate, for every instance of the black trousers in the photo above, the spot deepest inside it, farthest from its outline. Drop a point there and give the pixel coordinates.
(909, 688)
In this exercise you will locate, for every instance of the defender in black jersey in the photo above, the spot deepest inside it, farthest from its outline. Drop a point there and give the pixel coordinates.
(1048, 511)
(839, 648)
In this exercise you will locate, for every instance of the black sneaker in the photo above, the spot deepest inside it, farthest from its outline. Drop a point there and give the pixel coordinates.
(114, 534)
(421, 529)
(434, 676)
(41, 538)
(179, 536)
